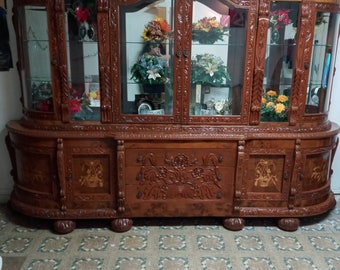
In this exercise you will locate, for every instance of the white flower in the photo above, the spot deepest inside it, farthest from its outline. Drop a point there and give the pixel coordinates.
(153, 74)
(211, 69)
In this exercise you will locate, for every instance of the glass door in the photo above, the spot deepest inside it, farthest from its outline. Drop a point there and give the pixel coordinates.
(36, 64)
(146, 46)
(82, 56)
(217, 58)
(279, 63)
(322, 62)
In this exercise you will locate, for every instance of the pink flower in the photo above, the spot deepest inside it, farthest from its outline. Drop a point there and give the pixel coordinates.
(225, 20)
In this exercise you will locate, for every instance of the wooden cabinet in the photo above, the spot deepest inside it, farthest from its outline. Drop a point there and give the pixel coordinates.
(174, 109)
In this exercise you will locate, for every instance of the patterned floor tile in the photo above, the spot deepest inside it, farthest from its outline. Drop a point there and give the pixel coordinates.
(257, 263)
(300, 263)
(55, 244)
(133, 263)
(172, 242)
(210, 242)
(215, 263)
(287, 243)
(133, 242)
(249, 242)
(173, 263)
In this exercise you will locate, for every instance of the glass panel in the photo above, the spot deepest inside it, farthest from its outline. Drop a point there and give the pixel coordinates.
(317, 99)
(81, 21)
(280, 55)
(36, 59)
(147, 73)
(218, 54)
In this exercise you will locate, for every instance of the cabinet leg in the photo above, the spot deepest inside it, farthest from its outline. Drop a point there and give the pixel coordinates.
(234, 224)
(288, 224)
(121, 224)
(64, 226)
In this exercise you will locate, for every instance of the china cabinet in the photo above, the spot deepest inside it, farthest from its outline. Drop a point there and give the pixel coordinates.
(174, 108)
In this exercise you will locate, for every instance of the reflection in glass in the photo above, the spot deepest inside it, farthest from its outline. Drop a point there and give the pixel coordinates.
(36, 56)
(217, 64)
(280, 55)
(83, 60)
(322, 59)
(147, 76)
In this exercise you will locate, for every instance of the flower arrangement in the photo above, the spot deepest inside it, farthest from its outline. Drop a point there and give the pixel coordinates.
(83, 10)
(208, 69)
(79, 104)
(157, 30)
(150, 69)
(279, 18)
(209, 30)
(274, 107)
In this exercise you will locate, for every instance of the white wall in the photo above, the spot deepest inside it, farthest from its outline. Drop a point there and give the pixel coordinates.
(334, 115)
(10, 108)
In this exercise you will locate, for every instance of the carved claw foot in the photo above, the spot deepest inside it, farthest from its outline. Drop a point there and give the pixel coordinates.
(234, 224)
(288, 224)
(64, 226)
(121, 224)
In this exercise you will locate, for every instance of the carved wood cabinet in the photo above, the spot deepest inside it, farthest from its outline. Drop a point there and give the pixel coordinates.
(174, 109)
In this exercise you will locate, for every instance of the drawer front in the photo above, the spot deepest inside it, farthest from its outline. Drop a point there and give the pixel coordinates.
(183, 181)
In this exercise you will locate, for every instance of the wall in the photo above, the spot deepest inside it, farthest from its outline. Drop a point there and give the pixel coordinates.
(10, 108)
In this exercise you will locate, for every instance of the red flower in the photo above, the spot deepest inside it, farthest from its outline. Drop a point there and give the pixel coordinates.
(82, 14)
(74, 106)
(45, 106)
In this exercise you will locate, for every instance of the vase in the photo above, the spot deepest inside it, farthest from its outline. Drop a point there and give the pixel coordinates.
(153, 88)
(274, 36)
(82, 30)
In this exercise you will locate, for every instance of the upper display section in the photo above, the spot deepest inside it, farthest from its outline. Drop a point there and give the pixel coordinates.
(168, 61)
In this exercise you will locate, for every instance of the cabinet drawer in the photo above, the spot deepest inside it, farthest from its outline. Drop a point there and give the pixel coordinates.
(182, 153)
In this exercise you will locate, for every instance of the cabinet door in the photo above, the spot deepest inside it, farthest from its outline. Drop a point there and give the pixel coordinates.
(267, 173)
(35, 52)
(280, 60)
(36, 178)
(218, 61)
(322, 62)
(314, 180)
(82, 93)
(146, 41)
(90, 174)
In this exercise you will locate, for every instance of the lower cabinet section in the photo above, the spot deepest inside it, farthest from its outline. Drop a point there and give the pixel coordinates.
(65, 178)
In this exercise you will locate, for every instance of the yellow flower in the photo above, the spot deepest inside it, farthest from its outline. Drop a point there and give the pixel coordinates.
(264, 100)
(282, 98)
(270, 104)
(279, 108)
(271, 93)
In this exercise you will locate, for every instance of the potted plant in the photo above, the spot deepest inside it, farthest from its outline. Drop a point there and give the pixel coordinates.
(152, 67)
(274, 107)
(208, 69)
(209, 30)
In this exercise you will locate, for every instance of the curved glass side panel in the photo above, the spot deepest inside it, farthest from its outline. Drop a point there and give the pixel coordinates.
(317, 99)
(280, 55)
(218, 55)
(82, 53)
(36, 76)
(146, 65)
